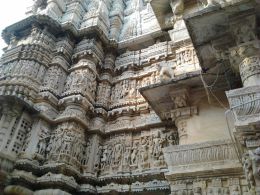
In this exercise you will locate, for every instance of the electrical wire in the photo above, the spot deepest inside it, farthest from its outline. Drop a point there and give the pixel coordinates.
(208, 89)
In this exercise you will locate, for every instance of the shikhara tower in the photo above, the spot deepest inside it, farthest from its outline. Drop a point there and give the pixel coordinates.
(130, 97)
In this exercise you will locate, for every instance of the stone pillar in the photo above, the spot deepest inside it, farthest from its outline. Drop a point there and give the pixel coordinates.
(181, 124)
(54, 79)
(104, 85)
(245, 57)
(244, 102)
(182, 112)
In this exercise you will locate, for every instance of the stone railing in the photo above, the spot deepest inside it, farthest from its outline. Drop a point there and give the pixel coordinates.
(199, 154)
(245, 104)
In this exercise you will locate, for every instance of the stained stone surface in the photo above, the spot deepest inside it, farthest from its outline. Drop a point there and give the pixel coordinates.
(131, 97)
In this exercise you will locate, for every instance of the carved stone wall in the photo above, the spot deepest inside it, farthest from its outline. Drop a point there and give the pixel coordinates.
(74, 118)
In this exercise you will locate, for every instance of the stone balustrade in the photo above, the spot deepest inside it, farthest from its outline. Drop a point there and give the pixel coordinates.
(200, 156)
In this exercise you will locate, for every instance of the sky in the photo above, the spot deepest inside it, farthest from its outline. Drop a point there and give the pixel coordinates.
(11, 11)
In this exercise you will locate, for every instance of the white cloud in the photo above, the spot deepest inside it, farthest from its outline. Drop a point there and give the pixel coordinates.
(11, 11)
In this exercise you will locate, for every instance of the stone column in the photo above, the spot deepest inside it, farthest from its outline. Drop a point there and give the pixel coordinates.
(182, 112)
(245, 102)
(181, 124)
(245, 57)
(103, 93)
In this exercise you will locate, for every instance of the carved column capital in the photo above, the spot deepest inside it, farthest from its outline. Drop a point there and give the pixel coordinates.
(244, 29)
(181, 105)
(245, 56)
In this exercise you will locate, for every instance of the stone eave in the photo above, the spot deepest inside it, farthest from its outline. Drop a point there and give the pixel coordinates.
(214, 21)
(162, 9)
(142, 39)
(68, 28)
(162, 90)
(55, 28)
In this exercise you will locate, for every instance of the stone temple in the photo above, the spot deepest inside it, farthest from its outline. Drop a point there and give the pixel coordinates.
(141, 97)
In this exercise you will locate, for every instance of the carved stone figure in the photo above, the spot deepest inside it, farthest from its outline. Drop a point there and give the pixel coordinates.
(134, 155)
(165, 73)
(43, 141)
(180, 101)
(247, 165)
(102, 97)
(177, 9)
(118, 154)
(127, 156)
(144, 149)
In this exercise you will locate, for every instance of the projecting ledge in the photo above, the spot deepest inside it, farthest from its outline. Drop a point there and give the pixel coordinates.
(210, 29)
(168, 96)
(202, 159)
